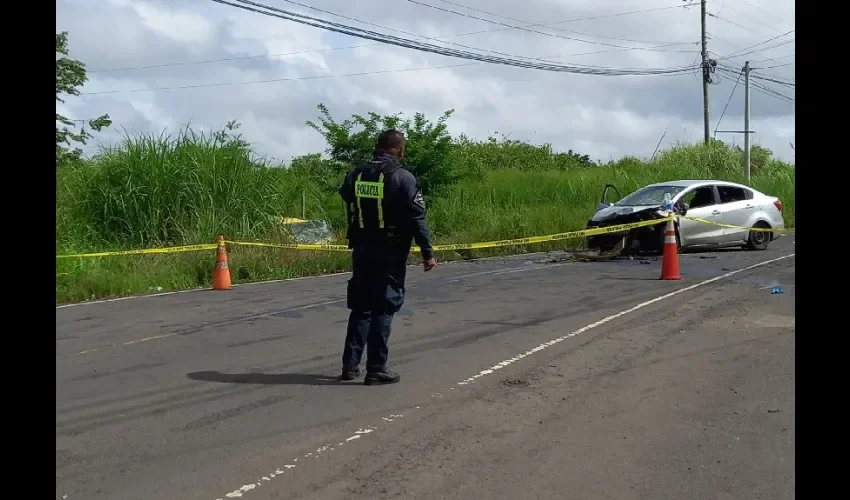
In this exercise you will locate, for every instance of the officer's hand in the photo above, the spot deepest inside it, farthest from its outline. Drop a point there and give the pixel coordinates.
(429, 264)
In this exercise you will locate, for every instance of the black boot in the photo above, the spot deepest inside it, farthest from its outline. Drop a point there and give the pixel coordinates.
(350, 373)
(381, 378)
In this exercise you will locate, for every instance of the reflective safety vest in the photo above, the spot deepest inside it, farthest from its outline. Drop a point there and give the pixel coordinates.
(367, 220)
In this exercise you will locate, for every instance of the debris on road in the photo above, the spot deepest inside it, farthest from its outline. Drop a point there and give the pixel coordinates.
(514, 381)
(592, 255)
(777, 290)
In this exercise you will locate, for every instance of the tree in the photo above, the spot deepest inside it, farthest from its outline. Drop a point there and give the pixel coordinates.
(70, 75)
(427, 150)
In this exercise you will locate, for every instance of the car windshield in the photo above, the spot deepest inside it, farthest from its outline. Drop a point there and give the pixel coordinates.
(649, 196)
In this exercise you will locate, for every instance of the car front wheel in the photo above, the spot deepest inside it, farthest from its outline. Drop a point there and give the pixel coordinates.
(759, 240)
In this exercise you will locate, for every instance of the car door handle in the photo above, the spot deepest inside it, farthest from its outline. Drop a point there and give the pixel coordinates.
(750, 207)
(715, 212)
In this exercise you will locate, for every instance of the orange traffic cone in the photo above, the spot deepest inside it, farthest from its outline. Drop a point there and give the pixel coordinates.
(221, 274)
(670, 260)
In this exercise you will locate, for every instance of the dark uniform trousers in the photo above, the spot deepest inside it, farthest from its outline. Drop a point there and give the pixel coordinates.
(375, 293)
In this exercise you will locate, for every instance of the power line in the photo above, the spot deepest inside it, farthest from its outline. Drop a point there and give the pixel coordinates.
(278, 80)
(415, 35)
(450, 11)
(780, 44)
(508, 18)
(753, 19)
(745, 50)
(712, 36)
(737, 53)
(771, 92)
(606, 51)
(434, 49)
(774, 58)
(348, 47)
(764, 89)
(765, 11)
(778, 65)
(733, 23)
(775, 80)
(228, 59)
(727, 102)
(786, 83)
(315, 77)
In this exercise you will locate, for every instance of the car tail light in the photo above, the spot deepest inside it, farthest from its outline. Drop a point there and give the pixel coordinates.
(778, 205)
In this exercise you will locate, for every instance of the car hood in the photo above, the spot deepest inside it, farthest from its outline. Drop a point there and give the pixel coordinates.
(609, 213)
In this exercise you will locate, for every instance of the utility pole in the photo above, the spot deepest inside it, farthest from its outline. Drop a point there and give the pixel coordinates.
(747, 121)
(706, 75)
(746, 72)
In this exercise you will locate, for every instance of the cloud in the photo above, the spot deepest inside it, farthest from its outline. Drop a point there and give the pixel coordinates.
(138, 46)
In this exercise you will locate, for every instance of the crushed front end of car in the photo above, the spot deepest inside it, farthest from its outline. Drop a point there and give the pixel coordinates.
(647, 238)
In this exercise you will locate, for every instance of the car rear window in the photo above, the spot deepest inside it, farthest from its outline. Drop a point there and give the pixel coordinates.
(731, 194)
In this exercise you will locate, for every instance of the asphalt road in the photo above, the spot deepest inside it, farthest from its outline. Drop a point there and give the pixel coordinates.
(521, 378)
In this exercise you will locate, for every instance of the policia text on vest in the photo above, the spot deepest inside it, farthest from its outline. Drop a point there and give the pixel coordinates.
(363, 189)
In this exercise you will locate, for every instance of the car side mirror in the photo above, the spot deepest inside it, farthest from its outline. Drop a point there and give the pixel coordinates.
(683, 208)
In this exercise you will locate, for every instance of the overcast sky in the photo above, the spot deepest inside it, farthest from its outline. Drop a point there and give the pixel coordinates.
(135, 49)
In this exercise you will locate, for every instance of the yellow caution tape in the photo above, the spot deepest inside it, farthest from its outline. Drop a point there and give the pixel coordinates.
(292, 246)
(344, 248)
(292, 220)
(437, 248)
(474, 246)
(185, 248)
(730, 226)
(542, 239)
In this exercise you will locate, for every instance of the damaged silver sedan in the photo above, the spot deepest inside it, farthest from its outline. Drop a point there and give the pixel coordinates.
(719, 202)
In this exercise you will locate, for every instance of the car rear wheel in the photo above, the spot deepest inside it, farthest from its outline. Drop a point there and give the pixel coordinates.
(759, 240)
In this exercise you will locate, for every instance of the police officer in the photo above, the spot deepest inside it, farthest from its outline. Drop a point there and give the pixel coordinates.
(385, 212)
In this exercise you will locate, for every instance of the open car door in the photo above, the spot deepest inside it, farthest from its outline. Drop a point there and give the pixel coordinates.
(604, 203)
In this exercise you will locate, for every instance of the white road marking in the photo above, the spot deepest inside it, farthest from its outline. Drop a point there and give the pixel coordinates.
(612, 317)
(149, 338)
(390, 418)
(250, 486)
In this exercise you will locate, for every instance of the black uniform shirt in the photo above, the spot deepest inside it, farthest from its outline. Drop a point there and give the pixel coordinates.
(404, 206)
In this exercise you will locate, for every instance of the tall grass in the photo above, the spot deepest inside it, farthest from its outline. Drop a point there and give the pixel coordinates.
(159, 191)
